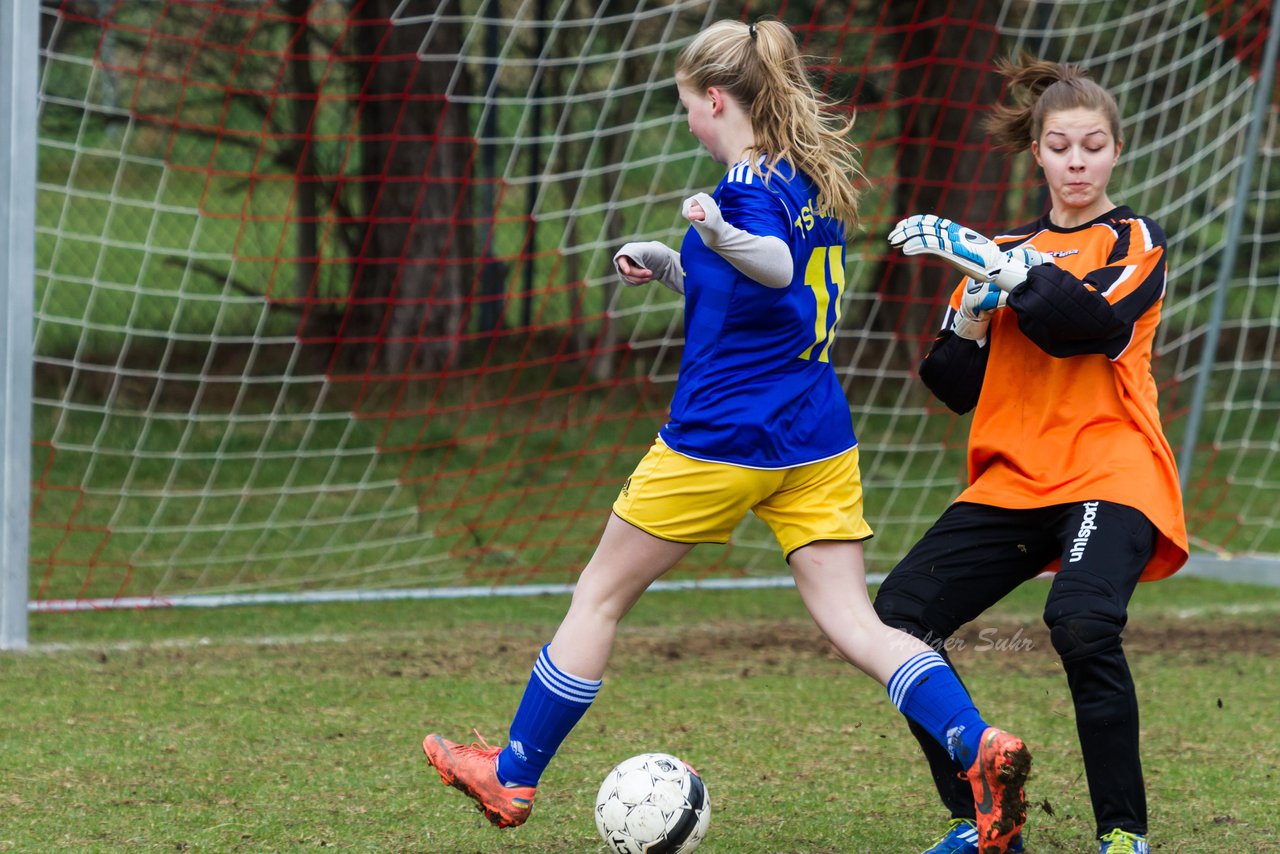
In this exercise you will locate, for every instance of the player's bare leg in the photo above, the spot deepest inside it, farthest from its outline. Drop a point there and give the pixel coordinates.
(831, 577)
(626, 561)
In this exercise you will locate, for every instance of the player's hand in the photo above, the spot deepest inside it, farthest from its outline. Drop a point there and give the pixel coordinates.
(966, 250)
(962, 248)
(1017, 266)
(642, 262)
(980, 299)
(978, 302)
(632, 273)
(702, 210)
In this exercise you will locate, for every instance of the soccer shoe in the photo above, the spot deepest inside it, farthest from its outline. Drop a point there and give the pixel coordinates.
(473, 770)
(997, 776)
(1123, 842)
(962, 838)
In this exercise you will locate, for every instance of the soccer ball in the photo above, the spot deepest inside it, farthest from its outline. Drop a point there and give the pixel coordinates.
(653, 804)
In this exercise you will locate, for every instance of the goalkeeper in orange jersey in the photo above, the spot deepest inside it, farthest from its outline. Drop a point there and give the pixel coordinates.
(1048, 340)
(759, 423)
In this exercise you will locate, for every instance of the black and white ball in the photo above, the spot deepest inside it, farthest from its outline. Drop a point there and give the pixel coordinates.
(653, 804)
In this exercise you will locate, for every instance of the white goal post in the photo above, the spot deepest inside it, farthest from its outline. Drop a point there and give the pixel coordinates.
(19, 24)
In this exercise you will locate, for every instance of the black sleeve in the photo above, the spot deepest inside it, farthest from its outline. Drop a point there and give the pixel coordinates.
(1066, 316)
(953, 371)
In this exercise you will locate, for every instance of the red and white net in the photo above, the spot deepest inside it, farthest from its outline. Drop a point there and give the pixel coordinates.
(325, 299)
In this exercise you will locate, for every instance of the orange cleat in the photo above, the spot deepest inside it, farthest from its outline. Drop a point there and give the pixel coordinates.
(997, 777)
(473, 770)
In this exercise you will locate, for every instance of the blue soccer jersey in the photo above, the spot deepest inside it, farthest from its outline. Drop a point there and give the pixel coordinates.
(756, 384)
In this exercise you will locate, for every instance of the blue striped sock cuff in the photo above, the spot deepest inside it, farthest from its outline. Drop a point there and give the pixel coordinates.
(904, 678)
(570, 689)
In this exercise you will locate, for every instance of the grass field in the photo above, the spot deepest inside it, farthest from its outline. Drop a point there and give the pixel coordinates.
(292, 729)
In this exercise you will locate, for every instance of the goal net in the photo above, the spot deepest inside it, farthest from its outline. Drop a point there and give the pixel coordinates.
(325, 303)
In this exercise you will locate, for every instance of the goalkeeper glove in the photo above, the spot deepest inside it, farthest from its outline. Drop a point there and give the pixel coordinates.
(965, 249)
(977, 303)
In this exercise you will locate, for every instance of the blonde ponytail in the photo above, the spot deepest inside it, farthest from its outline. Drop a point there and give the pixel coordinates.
(760, 66)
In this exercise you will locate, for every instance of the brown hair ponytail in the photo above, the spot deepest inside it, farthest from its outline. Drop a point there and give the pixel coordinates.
(1038, 88)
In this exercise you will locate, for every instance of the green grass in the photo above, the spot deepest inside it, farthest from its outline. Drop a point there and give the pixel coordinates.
(291, 729)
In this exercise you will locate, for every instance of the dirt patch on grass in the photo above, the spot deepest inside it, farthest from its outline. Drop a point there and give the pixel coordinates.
(746, 644)
(798, 638)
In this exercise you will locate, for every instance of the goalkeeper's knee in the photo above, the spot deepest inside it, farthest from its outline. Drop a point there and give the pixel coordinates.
(902, 604)
(1084, 615)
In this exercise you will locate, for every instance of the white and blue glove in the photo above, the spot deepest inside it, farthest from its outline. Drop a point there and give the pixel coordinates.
(965, 249)
(977, 303)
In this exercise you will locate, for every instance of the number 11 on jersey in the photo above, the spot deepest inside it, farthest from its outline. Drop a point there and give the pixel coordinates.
(824, 275)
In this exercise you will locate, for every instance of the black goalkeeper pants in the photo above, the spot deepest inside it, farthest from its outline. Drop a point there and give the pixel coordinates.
(972, 557)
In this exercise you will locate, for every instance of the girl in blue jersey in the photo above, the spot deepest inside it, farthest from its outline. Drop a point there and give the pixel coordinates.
(759, 423)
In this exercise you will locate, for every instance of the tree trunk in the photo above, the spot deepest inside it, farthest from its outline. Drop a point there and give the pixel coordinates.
(416, 260)
(302, 116)
(945, 163)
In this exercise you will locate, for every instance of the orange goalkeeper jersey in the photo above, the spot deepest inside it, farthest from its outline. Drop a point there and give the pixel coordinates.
(1067, 407)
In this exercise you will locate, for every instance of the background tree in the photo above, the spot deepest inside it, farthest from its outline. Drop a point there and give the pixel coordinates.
(945, 165)
(415, 259)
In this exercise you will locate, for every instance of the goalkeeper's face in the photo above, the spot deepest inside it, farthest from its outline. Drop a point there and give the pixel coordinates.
(1077, 150)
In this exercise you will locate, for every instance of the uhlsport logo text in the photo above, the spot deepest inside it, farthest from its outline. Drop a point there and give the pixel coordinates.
(1087, 526)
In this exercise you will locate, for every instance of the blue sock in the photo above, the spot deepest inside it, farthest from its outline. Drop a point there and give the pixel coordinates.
(927, 691)
(552, 705)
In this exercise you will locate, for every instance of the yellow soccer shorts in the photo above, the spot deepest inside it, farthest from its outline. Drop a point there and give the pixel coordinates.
(676, 498)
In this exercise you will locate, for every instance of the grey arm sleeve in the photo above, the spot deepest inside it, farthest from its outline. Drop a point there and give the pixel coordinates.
(658, 257)
(766, 260)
